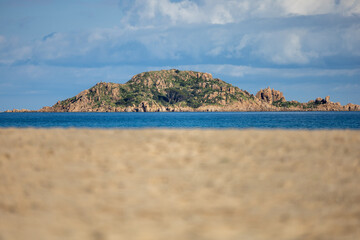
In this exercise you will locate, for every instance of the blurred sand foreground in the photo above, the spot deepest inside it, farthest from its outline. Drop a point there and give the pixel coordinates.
(179, 184)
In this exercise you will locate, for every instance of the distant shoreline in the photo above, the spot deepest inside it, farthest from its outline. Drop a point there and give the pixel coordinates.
(287, 110)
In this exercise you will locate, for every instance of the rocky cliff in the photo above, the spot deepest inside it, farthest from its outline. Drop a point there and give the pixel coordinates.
(270, 95)
(174, 90)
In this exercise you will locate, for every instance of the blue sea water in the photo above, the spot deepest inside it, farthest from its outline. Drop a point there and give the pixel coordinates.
(263, 120)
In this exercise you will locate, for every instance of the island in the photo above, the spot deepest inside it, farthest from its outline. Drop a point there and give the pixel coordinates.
(183, 91)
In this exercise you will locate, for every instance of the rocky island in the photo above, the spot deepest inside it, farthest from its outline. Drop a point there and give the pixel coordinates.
(179, 91)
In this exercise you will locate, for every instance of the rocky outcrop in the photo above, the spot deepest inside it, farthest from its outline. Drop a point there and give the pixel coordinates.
(352, 107)
(18, 110)
(327, 99)
(270, 95)
(320, 100)
(319, 104)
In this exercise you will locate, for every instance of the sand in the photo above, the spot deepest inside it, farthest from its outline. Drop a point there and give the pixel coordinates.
(179, 184)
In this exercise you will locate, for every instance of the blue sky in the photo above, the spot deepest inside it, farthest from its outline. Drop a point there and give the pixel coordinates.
(52, 50)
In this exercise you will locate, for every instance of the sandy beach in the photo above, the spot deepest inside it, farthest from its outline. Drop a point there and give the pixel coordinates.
(179, 184)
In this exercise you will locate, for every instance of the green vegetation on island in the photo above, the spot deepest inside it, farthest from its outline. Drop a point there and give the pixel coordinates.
(175, 90)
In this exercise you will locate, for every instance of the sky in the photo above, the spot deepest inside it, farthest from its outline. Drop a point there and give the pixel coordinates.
(51, 50)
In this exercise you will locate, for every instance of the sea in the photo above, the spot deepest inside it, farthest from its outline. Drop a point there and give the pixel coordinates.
(221, 120)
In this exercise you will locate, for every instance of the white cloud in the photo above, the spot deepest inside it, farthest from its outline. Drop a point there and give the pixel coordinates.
(308, 7)
(351, 39)
(221, 15)
(12, 50)
(165, 12)
(347, 7)
(300, 46)
(272, 41)
(244, 71)
(286, 49)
